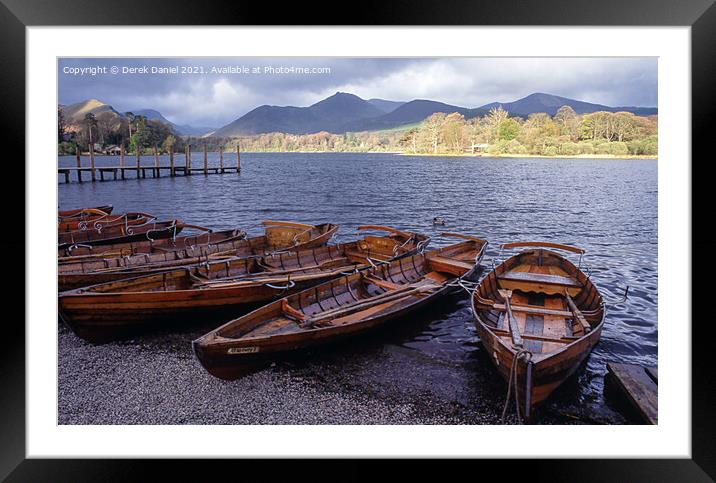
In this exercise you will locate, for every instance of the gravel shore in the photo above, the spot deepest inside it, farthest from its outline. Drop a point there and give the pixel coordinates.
(155, 379)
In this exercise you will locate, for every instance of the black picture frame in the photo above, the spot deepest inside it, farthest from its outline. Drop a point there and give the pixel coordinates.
(16, 15)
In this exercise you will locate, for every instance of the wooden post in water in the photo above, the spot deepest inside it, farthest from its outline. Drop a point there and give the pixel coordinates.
(238, 158)
(156, 162)
(92, 161)
(206, 162)
(139, 153)
(121, 159)
(188, 160)
(79, 163)
(171, 160)
(221, 160)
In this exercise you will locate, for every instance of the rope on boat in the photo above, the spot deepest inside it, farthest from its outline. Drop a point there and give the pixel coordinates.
(397, 248)
(467, 285)
(78, 245)
(520, 354)
(289, 285)
(376, 263)
(625, 297)
(420, 247)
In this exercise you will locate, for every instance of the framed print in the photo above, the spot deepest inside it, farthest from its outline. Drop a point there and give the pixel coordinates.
(470, 236)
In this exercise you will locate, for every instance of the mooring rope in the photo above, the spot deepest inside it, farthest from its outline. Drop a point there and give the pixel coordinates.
(522, 353)
(467, 285)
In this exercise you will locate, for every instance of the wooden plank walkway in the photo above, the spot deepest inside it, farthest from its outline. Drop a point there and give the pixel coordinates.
(640, 386)
(155, 169)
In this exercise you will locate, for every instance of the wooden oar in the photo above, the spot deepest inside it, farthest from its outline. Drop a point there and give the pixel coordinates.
(272, 275)
(465, 237)
(577, 314)
(388, 229)
(514, 328)
(369, 302)
(273, 278)
(290, 224)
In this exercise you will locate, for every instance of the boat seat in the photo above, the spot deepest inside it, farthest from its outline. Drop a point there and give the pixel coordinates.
(542, 278)
(450, 265)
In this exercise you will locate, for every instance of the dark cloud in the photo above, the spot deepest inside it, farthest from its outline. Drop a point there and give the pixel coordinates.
(197, 96)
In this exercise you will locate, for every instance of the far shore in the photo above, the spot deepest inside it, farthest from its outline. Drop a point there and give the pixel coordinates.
(559, 156)
(445, 155)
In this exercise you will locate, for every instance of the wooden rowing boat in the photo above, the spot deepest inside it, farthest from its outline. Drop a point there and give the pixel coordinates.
(120, 234)
(278, 235)
(105, 209)
(102, 221)
(539, 313)
(85, 271)
(217, 290)
(343, 307)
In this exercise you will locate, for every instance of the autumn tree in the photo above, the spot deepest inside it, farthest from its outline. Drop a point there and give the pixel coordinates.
(431, 130)
(453, 132)
(493, 121)
(568, 122)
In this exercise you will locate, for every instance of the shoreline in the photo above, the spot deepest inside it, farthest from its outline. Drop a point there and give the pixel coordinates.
(428, 155)
(563, 156)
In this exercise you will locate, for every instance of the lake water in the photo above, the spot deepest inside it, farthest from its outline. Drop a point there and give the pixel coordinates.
(606, 206)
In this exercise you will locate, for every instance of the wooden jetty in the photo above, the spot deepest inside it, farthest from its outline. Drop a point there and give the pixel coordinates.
(173, 169)
(640, 386)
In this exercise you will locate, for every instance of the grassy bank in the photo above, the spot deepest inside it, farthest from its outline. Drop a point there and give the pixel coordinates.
(558, 156)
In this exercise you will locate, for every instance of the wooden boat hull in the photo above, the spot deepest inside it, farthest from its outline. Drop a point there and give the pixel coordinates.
(86, 271)
(78, 211)
(120, 234)
(557, 343)
(106, 311)
(546, 375)
(101, 222)
(220, 363)
(100, 318)
(318, 237)
(229, 358)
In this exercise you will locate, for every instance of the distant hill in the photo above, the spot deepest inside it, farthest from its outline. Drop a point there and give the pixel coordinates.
(410, 113)
(330, 115)
(386, 106)
(183, 130)
(75, 113)
(103, 112)
(549, 103)
(343, 112)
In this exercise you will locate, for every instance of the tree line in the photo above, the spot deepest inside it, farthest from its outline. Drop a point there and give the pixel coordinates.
(565, 133)
(133, 132)
(497, 133)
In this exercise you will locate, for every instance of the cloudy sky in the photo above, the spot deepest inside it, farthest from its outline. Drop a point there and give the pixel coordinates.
(215, 91)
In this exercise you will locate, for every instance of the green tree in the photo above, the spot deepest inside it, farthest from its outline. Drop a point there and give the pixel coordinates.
(90, 124)
(61, 125)
(508, 129)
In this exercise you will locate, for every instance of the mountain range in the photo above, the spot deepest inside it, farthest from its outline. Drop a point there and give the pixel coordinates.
(344, 112)
(549, 103)
(75, 113)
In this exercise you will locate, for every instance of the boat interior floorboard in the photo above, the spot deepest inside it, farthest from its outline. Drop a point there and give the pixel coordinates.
(539, 325)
